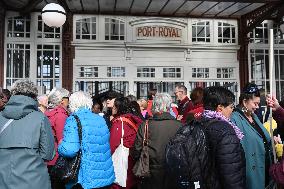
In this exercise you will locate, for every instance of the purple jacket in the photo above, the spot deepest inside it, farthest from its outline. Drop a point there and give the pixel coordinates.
(277, 170)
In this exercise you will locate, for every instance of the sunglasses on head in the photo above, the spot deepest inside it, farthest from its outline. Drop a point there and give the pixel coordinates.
(251, 90)
(66, 97)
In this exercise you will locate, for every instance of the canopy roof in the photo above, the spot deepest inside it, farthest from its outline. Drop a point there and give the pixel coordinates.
(169, 8)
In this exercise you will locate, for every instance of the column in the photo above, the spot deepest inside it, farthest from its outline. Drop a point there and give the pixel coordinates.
(2, 36)
(68, 53)
(243, 53)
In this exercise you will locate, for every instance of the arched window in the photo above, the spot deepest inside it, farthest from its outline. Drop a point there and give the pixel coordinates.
(114, 29)
(86, 28)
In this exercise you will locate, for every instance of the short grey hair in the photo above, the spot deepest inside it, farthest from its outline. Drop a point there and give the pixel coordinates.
(80, 99)
(55, 96)
(161, 103)
(24, 87)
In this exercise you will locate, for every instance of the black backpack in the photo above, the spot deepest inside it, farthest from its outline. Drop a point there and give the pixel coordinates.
(188, 157)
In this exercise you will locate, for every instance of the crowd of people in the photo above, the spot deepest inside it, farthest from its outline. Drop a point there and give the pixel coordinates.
(35, 130)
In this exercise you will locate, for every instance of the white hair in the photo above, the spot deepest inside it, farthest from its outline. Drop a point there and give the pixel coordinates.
(161, 103)
(43, 100)
(55, 96)
(24, 87)
(80, 99)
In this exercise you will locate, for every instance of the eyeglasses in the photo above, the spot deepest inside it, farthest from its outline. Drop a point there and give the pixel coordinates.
(251, 90)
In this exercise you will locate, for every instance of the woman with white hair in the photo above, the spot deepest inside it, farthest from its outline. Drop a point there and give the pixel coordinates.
(161, 127)
(26, 140)
(42, 102)
(57, 114)
(96, 168)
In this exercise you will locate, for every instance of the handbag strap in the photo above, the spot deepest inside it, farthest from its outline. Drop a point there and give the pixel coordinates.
(146, 134)
(6, 125)
(79, 128)
(122, 131)
(132, 125)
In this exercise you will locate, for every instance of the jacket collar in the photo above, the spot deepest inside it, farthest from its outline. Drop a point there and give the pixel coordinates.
(162, 116)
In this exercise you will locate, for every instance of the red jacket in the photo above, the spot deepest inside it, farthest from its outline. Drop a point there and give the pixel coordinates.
(128, 141)
(57, 118)
(197, 111)
(149, 108)
(184, 106)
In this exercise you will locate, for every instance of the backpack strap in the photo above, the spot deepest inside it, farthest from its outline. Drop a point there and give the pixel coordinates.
(134, 126)
(6, 125)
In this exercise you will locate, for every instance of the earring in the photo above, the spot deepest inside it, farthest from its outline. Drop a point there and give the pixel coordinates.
(245, 109)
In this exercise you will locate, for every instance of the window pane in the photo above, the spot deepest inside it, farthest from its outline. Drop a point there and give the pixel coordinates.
(114, 30)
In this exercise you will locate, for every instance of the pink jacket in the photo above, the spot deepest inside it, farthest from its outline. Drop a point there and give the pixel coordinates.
(57, 118)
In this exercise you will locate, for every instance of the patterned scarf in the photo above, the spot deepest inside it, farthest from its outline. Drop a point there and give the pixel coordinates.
(217, 115)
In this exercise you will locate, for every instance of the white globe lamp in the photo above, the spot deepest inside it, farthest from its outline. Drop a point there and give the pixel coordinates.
(53, 15)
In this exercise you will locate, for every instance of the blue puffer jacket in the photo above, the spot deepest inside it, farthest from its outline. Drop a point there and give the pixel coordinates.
(96, 164)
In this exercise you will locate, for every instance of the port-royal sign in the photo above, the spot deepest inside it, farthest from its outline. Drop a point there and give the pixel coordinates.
(158, 32)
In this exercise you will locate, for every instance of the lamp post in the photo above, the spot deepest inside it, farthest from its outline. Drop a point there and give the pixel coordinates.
(53, 15)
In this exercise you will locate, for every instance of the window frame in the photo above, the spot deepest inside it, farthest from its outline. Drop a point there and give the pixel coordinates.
(80, 18)
(193, 24)
(232, 25)
(175, 72)
(94, 71)
(120, 20)
(116, 68)
(230, 72)
(203, 70)
(146, 74)
(54, 79)
(11, 16)
(33, 41)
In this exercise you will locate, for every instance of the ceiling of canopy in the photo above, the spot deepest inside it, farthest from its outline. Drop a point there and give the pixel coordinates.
(169, 8)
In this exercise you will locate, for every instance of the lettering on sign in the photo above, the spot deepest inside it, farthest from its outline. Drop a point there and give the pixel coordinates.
(158, 31)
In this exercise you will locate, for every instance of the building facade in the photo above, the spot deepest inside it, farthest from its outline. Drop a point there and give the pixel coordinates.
(133, 54)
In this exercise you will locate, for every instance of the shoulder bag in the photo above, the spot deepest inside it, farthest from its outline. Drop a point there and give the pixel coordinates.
(67, 169)
(141, 168)
(120, 161)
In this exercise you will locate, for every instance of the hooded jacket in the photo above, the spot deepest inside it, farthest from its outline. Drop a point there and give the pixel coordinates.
(161, 127)
(128, 141)
(57, 118)
(24, 145)
(96, 167)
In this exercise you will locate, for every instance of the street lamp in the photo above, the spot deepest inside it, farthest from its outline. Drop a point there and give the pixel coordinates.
(53, 15)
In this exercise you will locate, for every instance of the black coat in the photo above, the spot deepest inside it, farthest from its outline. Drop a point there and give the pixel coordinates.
(160, 128)
(227, 155)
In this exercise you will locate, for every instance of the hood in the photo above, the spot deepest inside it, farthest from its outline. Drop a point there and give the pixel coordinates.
(57, 109)
(19, 106)
(134, 118)
(162, 116)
